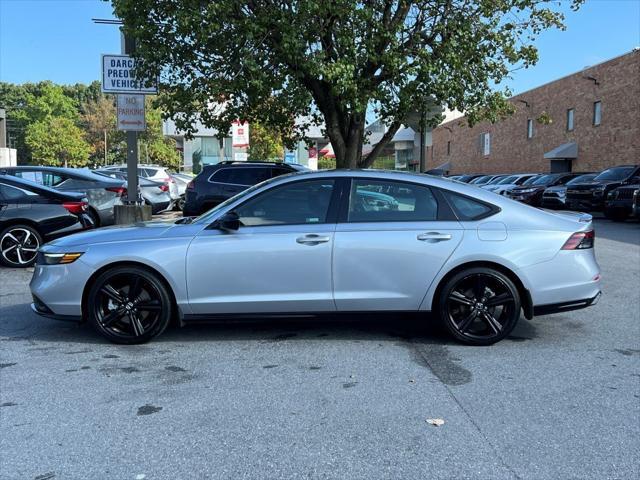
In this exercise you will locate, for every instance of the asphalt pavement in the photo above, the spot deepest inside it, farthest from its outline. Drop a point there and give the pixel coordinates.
(329, 398)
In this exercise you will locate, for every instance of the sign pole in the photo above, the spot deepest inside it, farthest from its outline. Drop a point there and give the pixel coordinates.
(132, 143)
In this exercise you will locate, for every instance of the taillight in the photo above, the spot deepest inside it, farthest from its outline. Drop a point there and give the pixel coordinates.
(164, 187)
(191, 185)
(75, 207)
(119, 191)
(580, 240)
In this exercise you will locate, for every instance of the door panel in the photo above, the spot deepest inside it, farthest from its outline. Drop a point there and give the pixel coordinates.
(380, 266)
(279, 260)
(261, 269)
(391, 242)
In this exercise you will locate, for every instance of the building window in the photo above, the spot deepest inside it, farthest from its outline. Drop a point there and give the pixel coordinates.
(570, 119)
(597, 113)
(449, 148)
(485, 143)
(529, 128)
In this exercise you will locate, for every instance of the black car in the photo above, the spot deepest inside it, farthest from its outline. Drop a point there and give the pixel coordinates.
(31, 214)
(531, 193)
(623, 202)
(102, 193)
(470, 177)
(216, 183)
(592, 195)
(556, 196)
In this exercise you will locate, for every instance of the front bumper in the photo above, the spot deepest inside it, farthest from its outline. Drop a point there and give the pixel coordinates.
(58, 289)
(41, 309)
(590, 202)
(539, 310)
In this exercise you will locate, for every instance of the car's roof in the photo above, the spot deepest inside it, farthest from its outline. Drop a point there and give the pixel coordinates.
(77, 172)
(254, 163)
(36, 187)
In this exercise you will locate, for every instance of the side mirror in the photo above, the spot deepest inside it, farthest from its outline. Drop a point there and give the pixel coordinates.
(229, 222)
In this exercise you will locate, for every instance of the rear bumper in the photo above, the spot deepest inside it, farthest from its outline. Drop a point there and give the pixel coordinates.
(539, 310)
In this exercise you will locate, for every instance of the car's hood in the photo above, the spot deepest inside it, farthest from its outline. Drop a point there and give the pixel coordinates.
(125, 233)
(528, 187)
(592, 184)
(557, 188)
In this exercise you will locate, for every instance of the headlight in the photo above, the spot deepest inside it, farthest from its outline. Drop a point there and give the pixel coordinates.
(612, 194)
(57, 258)
(526, 190)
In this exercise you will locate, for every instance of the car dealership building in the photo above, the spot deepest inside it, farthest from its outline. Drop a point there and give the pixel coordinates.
(586, 121)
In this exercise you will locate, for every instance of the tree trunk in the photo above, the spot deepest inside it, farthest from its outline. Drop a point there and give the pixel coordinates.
(347, 141)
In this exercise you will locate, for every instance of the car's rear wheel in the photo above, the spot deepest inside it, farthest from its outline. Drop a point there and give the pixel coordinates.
(19, 246)
(479, 306)
(129, 305)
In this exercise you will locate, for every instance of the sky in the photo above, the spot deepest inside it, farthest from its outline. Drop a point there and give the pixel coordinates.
(56, 40)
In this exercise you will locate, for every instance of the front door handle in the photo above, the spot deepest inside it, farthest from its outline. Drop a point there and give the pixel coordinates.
(312, 239)
(434, 237)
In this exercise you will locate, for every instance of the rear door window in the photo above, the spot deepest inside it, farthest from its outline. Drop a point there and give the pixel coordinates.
(13, 194)
(390, 201)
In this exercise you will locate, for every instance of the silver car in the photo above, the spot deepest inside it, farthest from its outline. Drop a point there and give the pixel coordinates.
(310, 242)
(155, 194)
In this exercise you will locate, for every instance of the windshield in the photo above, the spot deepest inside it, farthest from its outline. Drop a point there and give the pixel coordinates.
(530, 180)
(582, 179)
(496, 180)
(510, 179)
(543, 180)
(483, 179)
(619, 173)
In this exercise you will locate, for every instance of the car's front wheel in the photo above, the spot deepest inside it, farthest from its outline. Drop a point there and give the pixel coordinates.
(129, 305)
(479, 306)
(19, 246)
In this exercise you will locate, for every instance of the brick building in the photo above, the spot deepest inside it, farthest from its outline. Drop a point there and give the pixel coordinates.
(586, 121)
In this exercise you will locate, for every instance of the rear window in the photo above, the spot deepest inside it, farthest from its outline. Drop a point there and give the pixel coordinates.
(467, 208)
(11, 193)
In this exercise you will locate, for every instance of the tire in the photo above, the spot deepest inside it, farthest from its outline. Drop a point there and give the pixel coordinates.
(129, 305)
(19, 246)
(95, 218)
(479, 306)
(180, 203)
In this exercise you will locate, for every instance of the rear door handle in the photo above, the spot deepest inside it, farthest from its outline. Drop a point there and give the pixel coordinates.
(312, 239)
(434, 237)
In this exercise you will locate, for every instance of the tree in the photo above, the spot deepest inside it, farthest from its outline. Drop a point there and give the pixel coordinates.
(265, 143)
(57, 141)
(274, 62)
(154, 146)
(99, 123)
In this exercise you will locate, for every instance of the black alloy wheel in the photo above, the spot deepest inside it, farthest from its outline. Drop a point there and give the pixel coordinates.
(19, 246)
(479, 306)
(129, 305)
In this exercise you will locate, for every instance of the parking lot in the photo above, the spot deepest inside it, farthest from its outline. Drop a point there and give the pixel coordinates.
(329, 397)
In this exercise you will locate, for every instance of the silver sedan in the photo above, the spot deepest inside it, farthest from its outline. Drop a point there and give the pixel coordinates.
(326, 242)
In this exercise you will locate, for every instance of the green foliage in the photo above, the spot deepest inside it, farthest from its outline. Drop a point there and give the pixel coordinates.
(57, 141)
(265, 143)
(325, 163)
(48, 123)
(274, 62)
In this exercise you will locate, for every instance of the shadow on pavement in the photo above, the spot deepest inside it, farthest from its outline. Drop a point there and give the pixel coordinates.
(416, 328)
(625, 232)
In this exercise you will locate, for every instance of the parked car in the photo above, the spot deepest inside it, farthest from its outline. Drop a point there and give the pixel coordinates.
(509, 182)
(182, 180)
(531, 193)
(153, 193)
(102, 193)
(31, 214)
(485, 179)
(301, 243)
(216, 183)
(155, 173)
(591, 196)
(622, 202)
(468, 178)
(556, 196)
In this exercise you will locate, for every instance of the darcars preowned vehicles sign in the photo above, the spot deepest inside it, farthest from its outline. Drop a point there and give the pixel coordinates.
(117, 76)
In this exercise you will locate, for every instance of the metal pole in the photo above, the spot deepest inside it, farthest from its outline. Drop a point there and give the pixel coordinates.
(132, 143)
(423, 160)
(105, 147)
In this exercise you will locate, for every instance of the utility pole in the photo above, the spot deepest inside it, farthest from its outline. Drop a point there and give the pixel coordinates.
(105, 147)
(423, 128)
